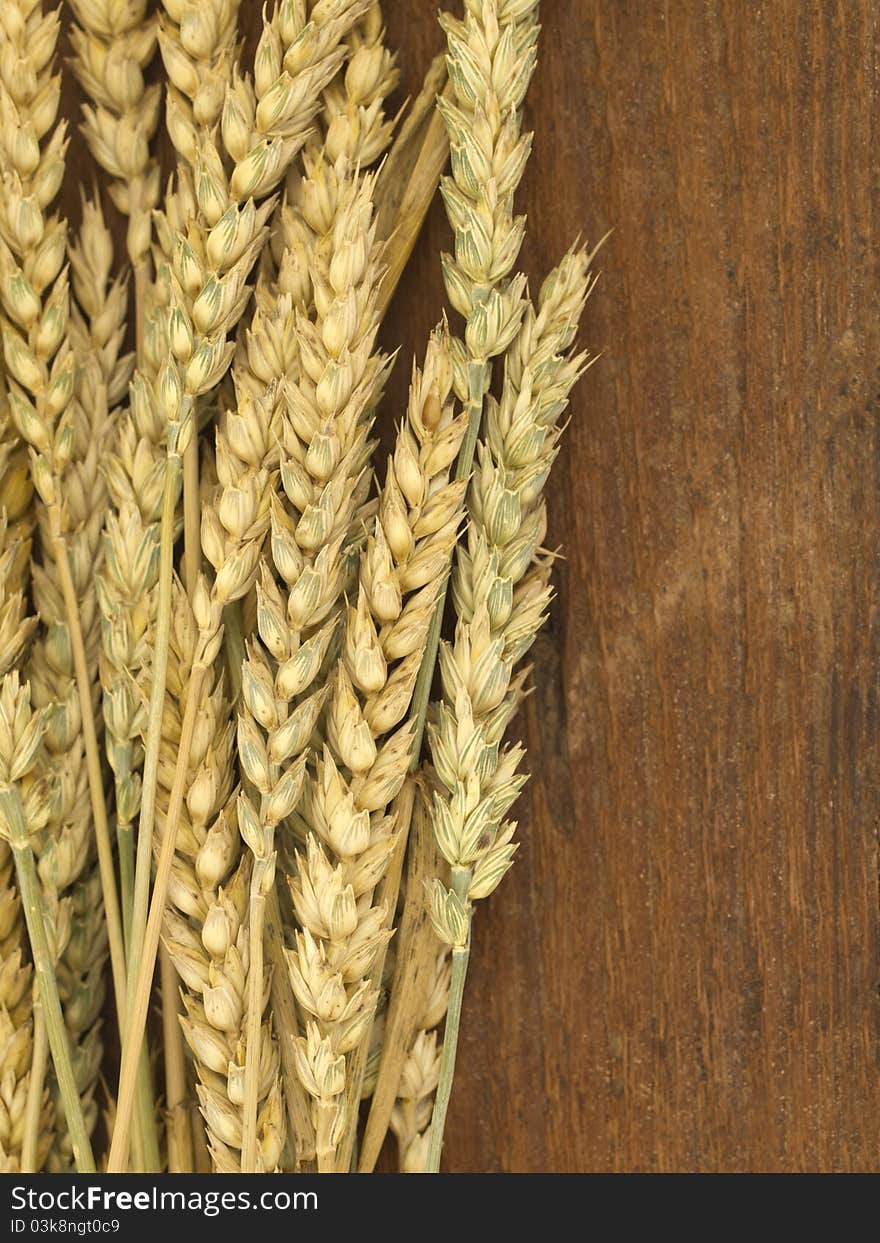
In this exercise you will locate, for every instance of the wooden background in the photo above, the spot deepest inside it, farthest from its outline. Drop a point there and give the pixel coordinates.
(681, 972)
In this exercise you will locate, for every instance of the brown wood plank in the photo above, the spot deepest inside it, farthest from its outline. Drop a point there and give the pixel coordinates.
(682, 970)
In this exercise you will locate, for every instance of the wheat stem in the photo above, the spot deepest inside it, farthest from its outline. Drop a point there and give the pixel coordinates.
(192, 554)
(93, 762)
(141, 889)
(233, 645)
(125, 852)
(153, 731)
(12, 812)
(36, 1084)
(142, 978)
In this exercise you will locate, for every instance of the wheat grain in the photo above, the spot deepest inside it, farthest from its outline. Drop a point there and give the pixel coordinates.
(112, 45)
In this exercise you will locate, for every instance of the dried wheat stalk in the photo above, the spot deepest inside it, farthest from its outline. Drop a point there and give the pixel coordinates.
(264, 124)
(490, 60)
(345, 811)
(65, 852)
(414, 971)
(411, 1118)
(501, 594)
(326, 414)
(41, 365)
(491, 57)
(207, 922)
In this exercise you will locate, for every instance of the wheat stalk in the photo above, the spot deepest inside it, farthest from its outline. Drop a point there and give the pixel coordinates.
(64, 849)
(112, 45)
(225, 590)
(207, 921)
(264, 125)
(501, 595)
(40, 362)
(366, 754)
(95, 333)
(411, 1117)
(415, 964)
(490, 60)
(325, 414)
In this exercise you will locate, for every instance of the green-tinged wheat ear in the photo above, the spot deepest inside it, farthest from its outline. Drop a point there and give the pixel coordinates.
(502, 593)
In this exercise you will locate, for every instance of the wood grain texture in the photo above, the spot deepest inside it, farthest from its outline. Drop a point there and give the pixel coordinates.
(681, 972)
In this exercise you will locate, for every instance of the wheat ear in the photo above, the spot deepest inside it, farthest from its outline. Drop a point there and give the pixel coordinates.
(491, 58)
(24, 810)
(501, 596)
(112, 45)
(354, 124)
(40, 362)
(26, 1131)
(207, 921)
(263, 126)
(326, 413)
(350, 834)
